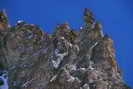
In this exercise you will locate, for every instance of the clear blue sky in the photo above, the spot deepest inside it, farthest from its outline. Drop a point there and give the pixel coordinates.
(115, 15)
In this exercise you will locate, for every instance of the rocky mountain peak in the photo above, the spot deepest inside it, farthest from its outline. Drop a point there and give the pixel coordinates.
(66, 59)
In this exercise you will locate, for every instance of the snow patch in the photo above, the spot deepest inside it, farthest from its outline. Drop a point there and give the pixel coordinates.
(60, 57)
(4, 78)
(71, 79)
(53, 78)
(86, 86)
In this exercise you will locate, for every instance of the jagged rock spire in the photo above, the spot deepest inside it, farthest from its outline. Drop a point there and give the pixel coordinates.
(63, 26)
(3, 17)
(88, 16)
(98, 29)
(3, 24)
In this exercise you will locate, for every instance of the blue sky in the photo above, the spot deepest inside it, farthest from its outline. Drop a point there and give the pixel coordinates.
(116, 17)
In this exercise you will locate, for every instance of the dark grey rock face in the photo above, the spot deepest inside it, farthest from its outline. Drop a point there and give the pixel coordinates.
(66, 59)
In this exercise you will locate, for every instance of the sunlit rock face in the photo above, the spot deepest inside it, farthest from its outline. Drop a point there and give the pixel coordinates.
(65, 59)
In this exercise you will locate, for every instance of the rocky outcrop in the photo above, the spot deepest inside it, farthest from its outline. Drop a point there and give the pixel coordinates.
(66, 59)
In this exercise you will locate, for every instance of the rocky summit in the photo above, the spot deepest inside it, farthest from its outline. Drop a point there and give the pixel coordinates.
(66, 59)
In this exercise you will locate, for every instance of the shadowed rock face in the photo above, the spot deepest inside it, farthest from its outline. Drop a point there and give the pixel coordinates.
(66, 59)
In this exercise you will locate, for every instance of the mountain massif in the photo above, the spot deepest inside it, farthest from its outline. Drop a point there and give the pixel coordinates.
(66, 59)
